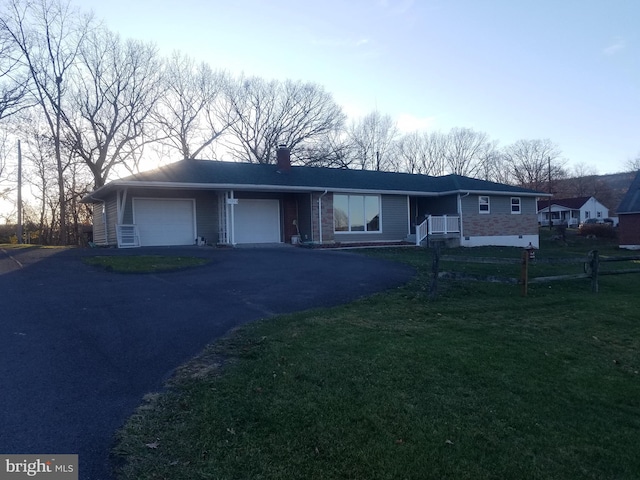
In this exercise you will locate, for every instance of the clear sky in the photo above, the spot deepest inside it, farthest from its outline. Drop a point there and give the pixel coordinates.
(568, 70)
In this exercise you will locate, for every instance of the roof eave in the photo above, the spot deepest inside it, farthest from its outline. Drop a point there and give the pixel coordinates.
(97, 196)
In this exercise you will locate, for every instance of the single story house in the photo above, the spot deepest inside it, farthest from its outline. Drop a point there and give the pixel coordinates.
(228, 203)
(571, 211)
(629, 217)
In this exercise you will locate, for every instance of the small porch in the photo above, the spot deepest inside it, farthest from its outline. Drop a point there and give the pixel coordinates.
(440, 227)
(559, 216)
(435, 218)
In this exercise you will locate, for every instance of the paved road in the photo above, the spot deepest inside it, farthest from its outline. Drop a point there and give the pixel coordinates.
(80, 346)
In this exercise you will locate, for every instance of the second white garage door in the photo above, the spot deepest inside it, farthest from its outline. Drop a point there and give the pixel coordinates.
(163, 221)
(257, 221)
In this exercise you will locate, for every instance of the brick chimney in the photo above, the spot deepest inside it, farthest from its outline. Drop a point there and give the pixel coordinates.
(283, 155)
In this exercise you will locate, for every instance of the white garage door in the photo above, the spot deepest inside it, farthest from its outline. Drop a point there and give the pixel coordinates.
(164, 221)
(257, 221)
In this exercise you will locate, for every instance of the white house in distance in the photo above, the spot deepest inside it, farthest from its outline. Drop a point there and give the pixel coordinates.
(571, 211)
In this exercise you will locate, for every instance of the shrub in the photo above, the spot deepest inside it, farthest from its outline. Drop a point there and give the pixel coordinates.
(599, 230)
(6, 232)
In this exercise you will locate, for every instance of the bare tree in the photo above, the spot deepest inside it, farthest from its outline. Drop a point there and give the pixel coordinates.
(465, 151)
(116, 88)
(48, 35)
(330, 150)
(582, 181)
(531, 163)
(491, 164)
(39, 153)
(425, 153)
(268, 113)
(373, 139)
(410, 149)
(435, 153)
(633, 165)
(6, 184)
(194, 110)
(14, 80)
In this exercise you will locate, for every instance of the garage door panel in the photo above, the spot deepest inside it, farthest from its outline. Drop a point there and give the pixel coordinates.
(164, 221)
(257, 221)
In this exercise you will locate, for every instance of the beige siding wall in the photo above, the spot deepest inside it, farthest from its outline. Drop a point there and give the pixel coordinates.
(99, 225)
(499, 221)
(112, 220)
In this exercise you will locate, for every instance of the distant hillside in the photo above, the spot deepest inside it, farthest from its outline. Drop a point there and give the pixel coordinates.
(607, 189)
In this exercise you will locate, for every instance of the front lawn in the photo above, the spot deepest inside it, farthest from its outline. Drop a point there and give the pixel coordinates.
(143, 263)
(480, 383)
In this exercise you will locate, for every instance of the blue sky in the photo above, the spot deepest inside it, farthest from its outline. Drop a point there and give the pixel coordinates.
(568, 70)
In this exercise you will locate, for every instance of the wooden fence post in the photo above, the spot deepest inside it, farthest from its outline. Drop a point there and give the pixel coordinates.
(595, 266)
(435, 267)
(524, 273)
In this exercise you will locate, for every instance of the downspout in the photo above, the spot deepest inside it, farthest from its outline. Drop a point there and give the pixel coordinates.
(320, 215)
(460, 213)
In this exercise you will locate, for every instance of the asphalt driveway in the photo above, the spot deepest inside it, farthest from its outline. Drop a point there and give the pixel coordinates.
(79, 346)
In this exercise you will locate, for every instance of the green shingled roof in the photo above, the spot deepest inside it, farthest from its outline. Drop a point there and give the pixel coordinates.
(210, 174)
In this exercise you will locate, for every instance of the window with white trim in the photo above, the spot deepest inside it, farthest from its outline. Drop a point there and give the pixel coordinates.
(483, 204)
(356, 213)
(515, 205)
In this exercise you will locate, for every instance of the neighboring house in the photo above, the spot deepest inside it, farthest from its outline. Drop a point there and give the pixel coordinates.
(629, 217)
(226, 203)
(571, 211)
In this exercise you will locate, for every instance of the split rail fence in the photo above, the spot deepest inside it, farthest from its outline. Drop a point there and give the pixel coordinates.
(592, 264)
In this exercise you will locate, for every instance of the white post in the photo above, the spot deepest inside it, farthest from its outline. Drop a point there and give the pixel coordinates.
(232, 218)
(19, 226)
(320, 215)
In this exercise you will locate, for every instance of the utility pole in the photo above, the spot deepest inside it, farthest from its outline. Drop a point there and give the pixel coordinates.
(549, 163)
(19, 227)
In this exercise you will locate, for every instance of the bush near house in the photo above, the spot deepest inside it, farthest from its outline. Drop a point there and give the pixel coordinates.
(599, 230)
(7, 233)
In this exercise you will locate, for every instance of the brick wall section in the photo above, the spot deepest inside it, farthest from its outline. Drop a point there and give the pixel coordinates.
(327, 218)
(500, 224)
(629, 229)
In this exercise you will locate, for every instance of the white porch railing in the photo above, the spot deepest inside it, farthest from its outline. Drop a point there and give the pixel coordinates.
(421, 232)
(444, 224)
(437, 225)
(127, 236)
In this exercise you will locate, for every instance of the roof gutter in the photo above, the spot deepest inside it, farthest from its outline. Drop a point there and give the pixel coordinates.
(90, 198)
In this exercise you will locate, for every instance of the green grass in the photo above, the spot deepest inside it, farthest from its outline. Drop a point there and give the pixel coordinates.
(144, 263)
(480, 383)
(16, 246)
